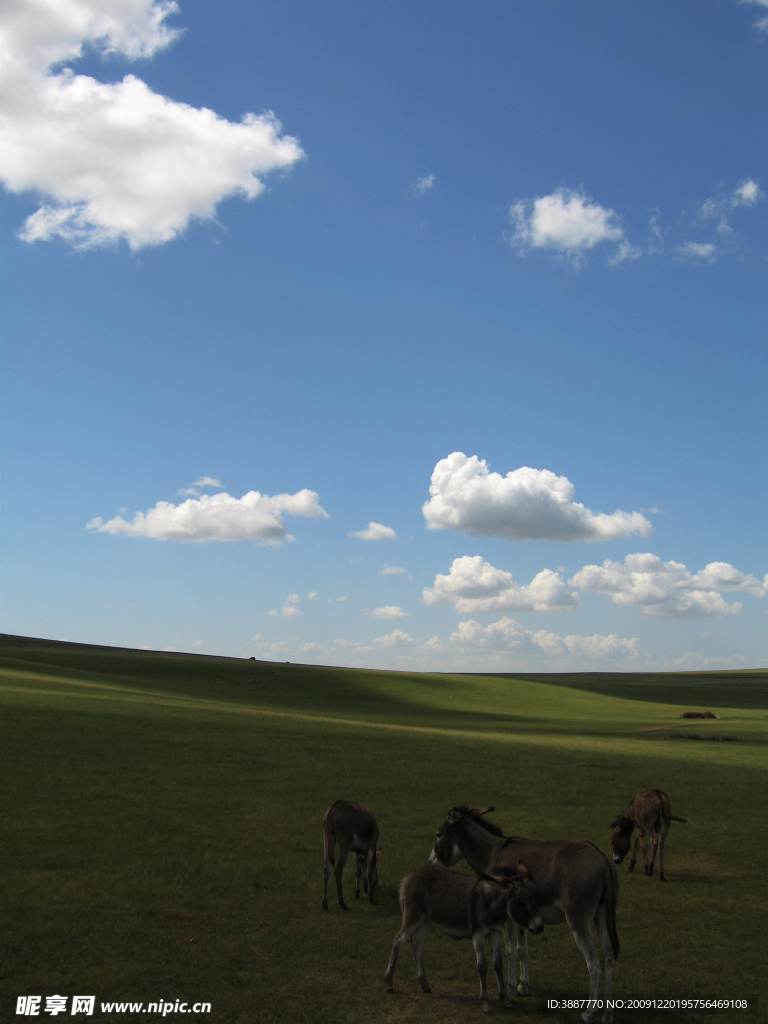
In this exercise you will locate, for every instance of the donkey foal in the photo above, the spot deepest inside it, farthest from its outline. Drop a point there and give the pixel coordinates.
(651, 812)
(464, 908)
(354, 828)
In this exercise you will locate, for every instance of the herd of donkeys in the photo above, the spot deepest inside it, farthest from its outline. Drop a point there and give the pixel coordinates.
(520, 885)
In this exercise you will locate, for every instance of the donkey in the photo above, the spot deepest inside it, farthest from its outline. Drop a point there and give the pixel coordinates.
(354, 828)
(575, 882)
(465, 908)
(650, 812)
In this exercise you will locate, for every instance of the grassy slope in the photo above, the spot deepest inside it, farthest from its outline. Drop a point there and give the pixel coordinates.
(161, 835)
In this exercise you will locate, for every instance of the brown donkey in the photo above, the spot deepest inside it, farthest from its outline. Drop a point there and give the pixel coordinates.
(464, 908)
(649, 812)
(354, 828)
(575, 882)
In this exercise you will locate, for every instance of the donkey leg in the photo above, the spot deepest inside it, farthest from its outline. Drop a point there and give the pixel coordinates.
(326, 876)
(358, 873)
(511, 961)
(478, 941)
(400, 940)
(523, 989)
(582, 933)
(417, 941)
(606, 956)
(338, 872)
(634, 853)
(370, 865)
(495, 941)
(644, 844)
(654, 846)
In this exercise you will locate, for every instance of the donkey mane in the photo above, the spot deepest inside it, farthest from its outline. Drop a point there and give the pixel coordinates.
(483, 822)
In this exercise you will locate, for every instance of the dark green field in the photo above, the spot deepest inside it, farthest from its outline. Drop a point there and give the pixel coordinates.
(161, 834)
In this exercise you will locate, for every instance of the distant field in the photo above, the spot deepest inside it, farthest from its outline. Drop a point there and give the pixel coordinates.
(160, 828)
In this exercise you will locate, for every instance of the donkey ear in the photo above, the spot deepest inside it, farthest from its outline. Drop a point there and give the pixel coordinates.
(617, 822)
(502, 880)
(476, 812)
(454, 815)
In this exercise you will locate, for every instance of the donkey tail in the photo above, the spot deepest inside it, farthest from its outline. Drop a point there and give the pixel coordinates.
(674, 817)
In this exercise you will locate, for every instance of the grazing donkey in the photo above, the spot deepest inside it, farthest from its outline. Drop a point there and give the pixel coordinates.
(464, 908)
(650, 812)
(575, 882)
(354, 828)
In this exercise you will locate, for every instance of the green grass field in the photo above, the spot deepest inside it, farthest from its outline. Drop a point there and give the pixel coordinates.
(161, 828)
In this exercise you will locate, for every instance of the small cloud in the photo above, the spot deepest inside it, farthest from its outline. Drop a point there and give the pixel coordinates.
(747, 193)
(170, 650)
(566, 220)
(702, 252)
(395, 639)
(207, 481)
(289, 609)
(199, 643)
(761, 22)
(375, 531)
(425, 184)
(188, 490)
(396, 570)
(388, 612)
(146, 647)
(626, 251)
(312, 595)
(342, 598)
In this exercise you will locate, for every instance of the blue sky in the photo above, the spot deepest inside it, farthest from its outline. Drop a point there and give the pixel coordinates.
(438, 332)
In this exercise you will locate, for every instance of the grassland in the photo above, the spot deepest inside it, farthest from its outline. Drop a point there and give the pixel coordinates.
(160, 828)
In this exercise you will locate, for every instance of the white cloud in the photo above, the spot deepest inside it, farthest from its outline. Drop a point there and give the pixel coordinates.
(375, 531)
(394, 570)
(220, 517)
(693, 662)
(567, 221)
(342, 598)
(207, 481)
(116, 160)
(425, 184)
(626, 251)
(199, 643)
(706, 252)
(395, 639)
(747, 193)
(474, 586)
(761, 23)
(388, 611)
(312, 595)
(508, 635)
(527, 504)
(668, 589)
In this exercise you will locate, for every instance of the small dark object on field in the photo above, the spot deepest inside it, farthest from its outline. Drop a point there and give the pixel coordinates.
(651, 812)
(698, 714)
(575, 882)
(252, 658)
(464, 908)
(354, 828)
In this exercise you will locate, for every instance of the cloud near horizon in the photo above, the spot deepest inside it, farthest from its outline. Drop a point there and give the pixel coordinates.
(117, 160)
(218, 517)
(508, 635)
(388, 612)
(474, 586)
(527, 504)
(668, 589)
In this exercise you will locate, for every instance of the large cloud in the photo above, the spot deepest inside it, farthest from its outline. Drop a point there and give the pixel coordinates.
(116, 161)
(219, 517)
(526, 504)
(474, 586)
(667, 588)
(508, 635)
(566, 220)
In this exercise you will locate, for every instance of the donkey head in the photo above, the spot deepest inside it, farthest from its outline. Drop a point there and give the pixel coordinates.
(623, 828)
(521, 893)
(446, 850)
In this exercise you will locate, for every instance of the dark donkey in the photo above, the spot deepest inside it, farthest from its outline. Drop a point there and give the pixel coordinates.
(464, 908)
(354, 828)
(650, 812)
(575, 882)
